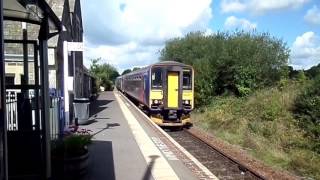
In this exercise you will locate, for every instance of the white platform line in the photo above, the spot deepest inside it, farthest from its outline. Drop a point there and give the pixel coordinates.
(161, 168)
(184, 151)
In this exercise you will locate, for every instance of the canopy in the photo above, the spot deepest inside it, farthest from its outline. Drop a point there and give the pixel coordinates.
(31, 11)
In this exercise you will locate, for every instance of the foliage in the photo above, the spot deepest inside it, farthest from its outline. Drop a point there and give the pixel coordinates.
(307, 111)
(129, 70)
(301, 77)
(135, 68)
(262, 123)
(293, 74)
(126, 71)
(230, 63)
(105, 73)
(313, 71)
(73, 144)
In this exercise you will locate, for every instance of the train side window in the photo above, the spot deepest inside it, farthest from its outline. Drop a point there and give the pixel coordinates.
(156, 78)
(187, 79)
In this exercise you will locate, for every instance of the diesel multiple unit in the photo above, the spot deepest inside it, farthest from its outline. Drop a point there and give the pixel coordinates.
(164, 90)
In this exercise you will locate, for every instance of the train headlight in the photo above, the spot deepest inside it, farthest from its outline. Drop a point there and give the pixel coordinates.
(156, 101)
(186, 101)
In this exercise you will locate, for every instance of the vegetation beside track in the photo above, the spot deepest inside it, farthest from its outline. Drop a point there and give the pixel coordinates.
(104, 73)
(247, 94)
(263, 124)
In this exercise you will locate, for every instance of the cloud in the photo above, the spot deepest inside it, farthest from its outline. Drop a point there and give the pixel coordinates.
(305, 51)
(259, 6)
(123, 56)
(239, 23)
(113, 29)
(313, 16)
(232, 6)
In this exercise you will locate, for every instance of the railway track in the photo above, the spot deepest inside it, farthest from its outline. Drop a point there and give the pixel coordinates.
(221, 165)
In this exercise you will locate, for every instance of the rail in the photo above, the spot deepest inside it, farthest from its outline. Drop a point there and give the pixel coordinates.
(218, 162)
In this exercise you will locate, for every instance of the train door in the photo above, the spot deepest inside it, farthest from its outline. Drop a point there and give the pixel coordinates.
(173, 89)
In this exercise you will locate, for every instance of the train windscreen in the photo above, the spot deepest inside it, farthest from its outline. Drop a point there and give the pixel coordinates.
(187, 79)
(156, 78)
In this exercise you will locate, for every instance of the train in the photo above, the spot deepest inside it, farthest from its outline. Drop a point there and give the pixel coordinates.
(165, 90)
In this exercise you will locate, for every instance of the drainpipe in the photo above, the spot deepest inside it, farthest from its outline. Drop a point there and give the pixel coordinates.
(25, 80)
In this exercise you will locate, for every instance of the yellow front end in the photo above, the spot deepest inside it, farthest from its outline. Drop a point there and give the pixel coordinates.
(156, 94)
(187, 95)
(165, 108)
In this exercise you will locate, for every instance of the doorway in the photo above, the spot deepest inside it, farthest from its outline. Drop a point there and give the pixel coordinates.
(23, 110)
(173, 89)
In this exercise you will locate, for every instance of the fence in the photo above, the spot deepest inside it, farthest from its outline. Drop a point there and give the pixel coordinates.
(55, 119)
(54, 111)
(12, 111)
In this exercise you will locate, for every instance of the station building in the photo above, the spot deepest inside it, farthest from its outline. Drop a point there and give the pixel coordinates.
(32, 62)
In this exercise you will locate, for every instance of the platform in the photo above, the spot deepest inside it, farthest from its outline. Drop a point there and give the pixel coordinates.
(127, 145)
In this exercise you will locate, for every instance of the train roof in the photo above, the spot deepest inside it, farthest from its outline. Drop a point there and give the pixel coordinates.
(169, 63)
(161, 63)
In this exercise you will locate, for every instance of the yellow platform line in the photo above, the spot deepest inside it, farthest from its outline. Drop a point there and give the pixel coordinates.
(184, 151)
(161, 169)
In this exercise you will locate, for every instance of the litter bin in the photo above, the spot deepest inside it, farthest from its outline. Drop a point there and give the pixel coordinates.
(81, 110)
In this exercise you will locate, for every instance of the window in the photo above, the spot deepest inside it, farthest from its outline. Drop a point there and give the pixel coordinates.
(10, 79)
(156, 78)
(187, 79)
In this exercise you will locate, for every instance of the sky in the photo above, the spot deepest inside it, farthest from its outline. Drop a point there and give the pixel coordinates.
(131, 33)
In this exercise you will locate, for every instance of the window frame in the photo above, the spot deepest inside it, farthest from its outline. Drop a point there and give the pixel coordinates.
(188, 87)
(156, 69)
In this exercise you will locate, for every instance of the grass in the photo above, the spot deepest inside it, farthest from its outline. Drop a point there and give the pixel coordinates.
(263, 124)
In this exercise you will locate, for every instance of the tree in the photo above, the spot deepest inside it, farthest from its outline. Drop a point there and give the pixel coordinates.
(104, 73)
(135, 68)
(224, 62)
(307, 111)
(126, 71)
(313, 71)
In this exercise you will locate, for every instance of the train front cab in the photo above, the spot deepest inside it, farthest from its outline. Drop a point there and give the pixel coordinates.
(171, 95)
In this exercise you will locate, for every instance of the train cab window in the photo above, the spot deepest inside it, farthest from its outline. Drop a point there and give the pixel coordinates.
(187, 79)
(156, 78)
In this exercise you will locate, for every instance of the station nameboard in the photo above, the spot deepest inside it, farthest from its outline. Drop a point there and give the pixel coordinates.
(75, 46)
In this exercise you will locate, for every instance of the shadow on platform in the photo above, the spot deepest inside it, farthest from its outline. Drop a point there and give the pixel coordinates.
(98, 106)
(108, 126)
(147, 174)
(101, 164)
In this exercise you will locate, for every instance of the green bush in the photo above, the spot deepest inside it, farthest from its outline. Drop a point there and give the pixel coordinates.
(243, 91)
(105, 74)
(230, 63)
(263, 124)
(271, 111)
(307, 111)
(72, 145)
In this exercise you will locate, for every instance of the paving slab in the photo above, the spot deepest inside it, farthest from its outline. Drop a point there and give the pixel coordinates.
(125, 146)
(114, 153)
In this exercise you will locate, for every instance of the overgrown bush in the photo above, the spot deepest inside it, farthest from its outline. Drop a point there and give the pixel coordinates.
(230, 63)
(307, 111)
(104, 73)
(264, 125)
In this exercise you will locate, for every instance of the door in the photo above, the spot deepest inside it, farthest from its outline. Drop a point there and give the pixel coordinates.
(173, 89)
(25, 140)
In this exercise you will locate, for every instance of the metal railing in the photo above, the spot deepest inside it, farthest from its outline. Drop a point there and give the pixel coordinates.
(55, 118)
(12, 111)
(55, 121)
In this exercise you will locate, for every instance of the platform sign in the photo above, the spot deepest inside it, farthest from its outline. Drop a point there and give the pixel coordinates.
(75, 46)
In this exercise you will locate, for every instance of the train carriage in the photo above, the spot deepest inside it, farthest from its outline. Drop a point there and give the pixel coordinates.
(165, 89)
